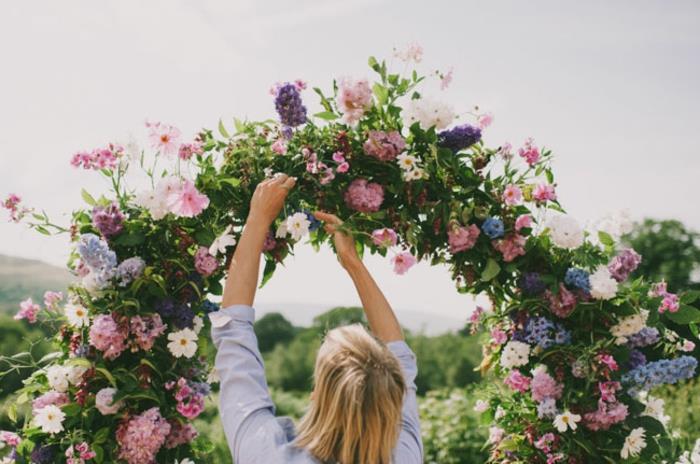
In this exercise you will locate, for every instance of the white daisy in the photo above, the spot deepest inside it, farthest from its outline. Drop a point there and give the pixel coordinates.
(406, 162)
(183, 343)
(50, 419)
(298, 225)
(566, 420)
(634, 443)
(413, 174)
(77, 315)
(222, 242)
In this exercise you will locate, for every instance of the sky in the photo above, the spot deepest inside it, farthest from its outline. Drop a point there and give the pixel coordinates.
(610, 87)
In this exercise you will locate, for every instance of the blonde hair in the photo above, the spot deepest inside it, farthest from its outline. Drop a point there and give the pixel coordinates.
(355, 411)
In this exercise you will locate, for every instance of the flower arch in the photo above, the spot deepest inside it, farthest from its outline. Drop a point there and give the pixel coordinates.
(574, 340)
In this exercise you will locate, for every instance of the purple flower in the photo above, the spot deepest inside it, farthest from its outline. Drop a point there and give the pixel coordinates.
(531, 284)
(129, 270)
(645, 337)
(636, 359)
(43, 454)
(108, 220)
(459, 137)
(289, 106)
(624, 264)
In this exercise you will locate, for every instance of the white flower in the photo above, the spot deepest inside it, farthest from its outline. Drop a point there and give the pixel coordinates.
(298, 225)
(634, 443)
(629, 325)
(481, 406)
(222, 242)
(413, 174)
(655, 408)
(565, 232)
(183, 343)
(565, 421)
(50, 419)
(58, 378)
(428, 113)
(603, 286)
(77, 315)
(406, 162)
(213, 376)
(500, 412)
(412, 52)
(614, 224)
(197, 324)
(515, 354)
(74, 374)
(153, 202)
(281, 230)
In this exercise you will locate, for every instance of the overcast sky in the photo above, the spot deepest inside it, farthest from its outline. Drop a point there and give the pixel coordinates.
(611, 87)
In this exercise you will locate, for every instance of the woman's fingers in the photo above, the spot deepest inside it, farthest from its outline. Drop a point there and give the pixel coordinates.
(327, 217)
(288, 183)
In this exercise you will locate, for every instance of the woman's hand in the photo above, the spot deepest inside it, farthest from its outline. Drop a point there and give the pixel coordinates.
(268, 199)
(344, 243)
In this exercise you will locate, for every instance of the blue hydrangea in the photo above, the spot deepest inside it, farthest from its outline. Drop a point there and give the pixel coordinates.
(314, 223)
(664, 371)
(493, 227)
(645, 337)
(209, 306)
(98, 258)
(289, 106)
(459, 137)
(578, 278)
(544, 333)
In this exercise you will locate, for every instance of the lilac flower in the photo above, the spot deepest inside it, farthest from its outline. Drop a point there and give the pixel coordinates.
(544, 333)
(109, 220)
(645, 337)
(624, 264)
(636, 359)
(290, 108)
(459, 137)
(129, 270)
(531, 284)
(43, 454)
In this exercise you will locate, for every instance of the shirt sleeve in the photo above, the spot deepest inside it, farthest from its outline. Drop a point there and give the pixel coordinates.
(247, 411)
(409, 449)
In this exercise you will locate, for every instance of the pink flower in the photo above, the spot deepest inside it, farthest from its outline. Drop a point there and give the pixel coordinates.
(529, 152)
(484, 120)
(51, 397)
(446, 79)
(475, 316)
(180, 434)
(608, 390)
(9, 438)
(364, 196)
(670, 303)
(338, 157)
(327, 176)
(104, 401)
(186, 201)
(498, 336)
(163, 137)
(141, 437)
(12, 204)
(343, 167)
(354, 97)
(187, 150)
(524, 221)
(545, 442)
(413, 52)
(279, 147)
(51, 299)
(517, 381)
(403, 262)
(99, 158)
(605, 416)
(28, 310)
(205, 263)
(608, 361)
(544, 386)
(511, 247)
(561, 304)
(384, 237)
(145, 330)
(462, 238)
(192, 407)
(107, 336)
(385, 146)
(512, 195)
(505, 151)
(544, 192)
(688, 346)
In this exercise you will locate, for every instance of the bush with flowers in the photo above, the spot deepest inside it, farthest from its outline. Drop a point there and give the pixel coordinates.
(574, 340)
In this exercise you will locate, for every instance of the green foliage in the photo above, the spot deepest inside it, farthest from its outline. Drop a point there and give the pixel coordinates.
(271, 329)
(291, 366)
(683, 405)
(340, 316)
(18, 337)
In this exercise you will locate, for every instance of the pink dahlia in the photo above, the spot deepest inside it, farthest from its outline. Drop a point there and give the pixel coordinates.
(364, 196)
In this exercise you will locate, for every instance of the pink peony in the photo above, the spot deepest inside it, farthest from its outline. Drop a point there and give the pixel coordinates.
(186, 201)
(384, 237)
(517, 381)
(544, 192)
(343, 167)
(524, 221)
(462, 238)
(163, 137)
(512, 195)
(205, 263)
(543, 386)
(385, 146)
(364, 196)
(107, 336)
(529, 152)
(403, 262)
(141, 437)
(28, 310)
(354, 97)
(511, 247)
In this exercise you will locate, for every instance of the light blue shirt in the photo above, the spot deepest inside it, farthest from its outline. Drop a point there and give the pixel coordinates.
(254, 434)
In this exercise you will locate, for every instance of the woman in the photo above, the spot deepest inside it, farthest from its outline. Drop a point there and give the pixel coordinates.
(363, 406)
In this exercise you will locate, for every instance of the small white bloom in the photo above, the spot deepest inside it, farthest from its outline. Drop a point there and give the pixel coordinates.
(226, 239)
(428, 113)
(614, 224)
(500, 413)
(298, 225)
(655, 408)
(58, 378)
(628, 326)
(413, 174)
(634, 443)
(213, 376)
(565, 232)
(183, 343)
(406, 162)
(515, 354)
(77, 315)
(74, 374)
(281, 230)
(153, 202)
(565, 421)
(197, 324)
(481, 406)
(603, 286)
(50, 419)
(495, 434)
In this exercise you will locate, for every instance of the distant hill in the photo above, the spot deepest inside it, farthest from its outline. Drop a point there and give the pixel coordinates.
(22, 278)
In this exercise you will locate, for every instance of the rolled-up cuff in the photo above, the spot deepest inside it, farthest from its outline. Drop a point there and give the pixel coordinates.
(237, 312)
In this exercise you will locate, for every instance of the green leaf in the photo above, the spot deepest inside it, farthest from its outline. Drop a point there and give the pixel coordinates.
(222, 130)
(327, 115)
(491, 270)
(381, 92)
(87, 198)
(605, 238)
(12, 413)
(108, 376)
(690, 296)
(270, 266)
(99, 454)
(373, 63)
(232, 181)
(130, 238)
(71, 409)
(685, 315)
